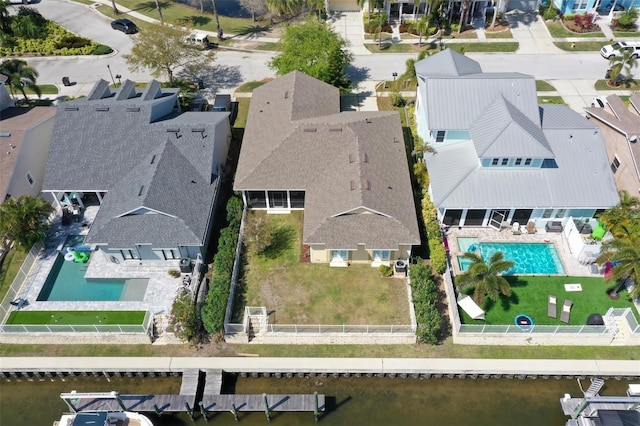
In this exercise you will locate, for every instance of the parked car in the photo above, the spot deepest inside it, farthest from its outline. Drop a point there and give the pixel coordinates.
(124, 25)
(18, 1)
(599, 102)
(617, 48)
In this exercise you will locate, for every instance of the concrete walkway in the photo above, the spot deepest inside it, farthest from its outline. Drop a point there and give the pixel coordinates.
(531, 33)
(534, 367)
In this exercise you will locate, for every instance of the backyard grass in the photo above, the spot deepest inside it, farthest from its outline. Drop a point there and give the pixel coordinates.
(557, 30)
(543, 86)
(250, 86)
(530, 298)
(581, 46)
(76, 317)
(9, 269)
(305, 293)
(625, 85)
(557, 100)
(499, 34)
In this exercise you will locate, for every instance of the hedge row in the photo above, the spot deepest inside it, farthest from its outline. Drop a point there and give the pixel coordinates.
(425, 299)
(57, 42)
(215, 305)
(437, 253)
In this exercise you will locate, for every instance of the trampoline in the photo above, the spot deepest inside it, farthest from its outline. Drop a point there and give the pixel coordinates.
(524, 322)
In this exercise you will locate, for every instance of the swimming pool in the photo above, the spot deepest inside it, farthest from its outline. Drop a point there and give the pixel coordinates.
(66, 282)
(529, 258)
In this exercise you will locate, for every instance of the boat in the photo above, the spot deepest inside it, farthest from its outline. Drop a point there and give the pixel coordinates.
(103, 418)
(596, 410)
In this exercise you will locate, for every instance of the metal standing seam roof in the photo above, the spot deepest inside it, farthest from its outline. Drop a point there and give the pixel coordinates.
(351, 162)
(167, 166)
(581, 180)
(447, 63)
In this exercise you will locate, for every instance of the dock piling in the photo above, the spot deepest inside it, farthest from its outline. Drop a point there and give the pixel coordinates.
(267, 412)
(316, 408)
(203, 411)
(157, 409)
(234, 410)
(189, 409)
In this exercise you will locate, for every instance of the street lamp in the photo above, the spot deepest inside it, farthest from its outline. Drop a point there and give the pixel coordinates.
(118, 77)
(112, 79)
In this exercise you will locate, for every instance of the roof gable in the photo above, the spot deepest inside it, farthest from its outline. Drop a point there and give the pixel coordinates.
(447, 63)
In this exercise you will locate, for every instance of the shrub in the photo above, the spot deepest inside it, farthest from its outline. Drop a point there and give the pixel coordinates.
(386, 270)
(184, 320)
(397, 100)
(627, 19)
(101, 49)
(72, 42)
(550, 13)
(425, 297)
(215, 305)
(174, 273)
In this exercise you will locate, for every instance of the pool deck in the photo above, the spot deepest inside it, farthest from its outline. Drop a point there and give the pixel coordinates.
(572, 267)
(158, 297)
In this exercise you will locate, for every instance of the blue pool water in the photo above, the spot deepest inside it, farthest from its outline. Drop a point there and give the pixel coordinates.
(529, 258)
(66, 282)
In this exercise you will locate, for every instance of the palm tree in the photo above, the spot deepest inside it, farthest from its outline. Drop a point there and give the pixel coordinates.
(361, 3)
(115, 8)
(217, 18)
(23, 220)
(20, 75)
(619, 63)
(284, 7)
(485, 279)
(626, 253)
(5, 19)
(159, 11)
(420, 26)
(316, 5)
(623, 219)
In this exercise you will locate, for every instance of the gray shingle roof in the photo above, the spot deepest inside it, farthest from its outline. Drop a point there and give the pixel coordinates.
(346, 163)
(167, 167)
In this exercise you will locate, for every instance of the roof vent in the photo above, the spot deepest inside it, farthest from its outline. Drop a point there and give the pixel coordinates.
(366, 158)
(353, 185)
(133, 109)
(141, 191)
(198, 130)
(71, 108)
(102, 108)
(153, 159)
(286, 94)
(351, 158)
(335, 129)
(5, 134)
(310, 130)
(366, 120)
(395, 140)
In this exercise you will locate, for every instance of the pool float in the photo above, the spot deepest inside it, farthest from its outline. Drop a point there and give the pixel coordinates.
(69, 257)
(80, 256)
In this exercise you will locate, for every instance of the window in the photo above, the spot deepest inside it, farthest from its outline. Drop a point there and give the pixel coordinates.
(518, 161)
(170, 254)
(579, 4)
(615, 164)
(546, 214)
(440, 136)
(30, 179)
(494, 162)
(129, 254)
(527, 162)
(505, 161)
(381, 255)
(560, 213)
(339, 255)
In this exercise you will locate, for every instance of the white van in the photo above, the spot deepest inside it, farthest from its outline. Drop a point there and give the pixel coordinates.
(198, 39)
(617, 48)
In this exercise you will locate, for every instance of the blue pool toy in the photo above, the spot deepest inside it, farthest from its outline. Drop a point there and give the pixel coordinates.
(524, 322)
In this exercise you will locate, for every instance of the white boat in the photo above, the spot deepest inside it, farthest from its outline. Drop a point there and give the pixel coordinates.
(103, 418)
(596, 410)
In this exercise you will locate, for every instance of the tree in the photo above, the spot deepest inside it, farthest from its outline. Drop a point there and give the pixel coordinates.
(625, 252)
(285, 7)
(20, 75)
(5, 19)
(23, 220)
(619, 63)
(378, 22)
(315, 50)
(159, 11)
(255, 7)
(317, 6)
(420, 26)
(163, 50)
(115, 8)
(29, 23)
(485, 279)
(624, 218)
(217, 18)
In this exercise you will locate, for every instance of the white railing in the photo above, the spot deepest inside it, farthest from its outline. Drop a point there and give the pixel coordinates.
(144, 327)
(339, 329)
(18, 281)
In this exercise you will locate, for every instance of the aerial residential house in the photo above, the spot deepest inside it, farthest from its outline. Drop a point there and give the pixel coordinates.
(25, 135)
(154, 171)
(620, 126)
(5, 98)
(348, 171)
(501, 157)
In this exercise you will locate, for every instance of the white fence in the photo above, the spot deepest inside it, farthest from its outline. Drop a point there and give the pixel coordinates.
(18, 281)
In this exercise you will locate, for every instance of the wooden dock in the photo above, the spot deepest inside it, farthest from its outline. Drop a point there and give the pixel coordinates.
(190, 399)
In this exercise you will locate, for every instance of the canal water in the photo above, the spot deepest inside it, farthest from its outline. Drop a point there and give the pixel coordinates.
(350, 400)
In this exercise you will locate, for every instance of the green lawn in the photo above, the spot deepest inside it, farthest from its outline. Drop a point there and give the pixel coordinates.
(530, 297)
(581, 46)
(625, 85)
(551, 100)
(499, 34)
(543, 86)
(250, 86)
(76, 317)
(507, 46)
(9, 269)
(311, 293)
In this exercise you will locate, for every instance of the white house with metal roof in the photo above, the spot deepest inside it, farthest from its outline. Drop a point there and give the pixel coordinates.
(348, 171)
(154, 170)
(502, 158)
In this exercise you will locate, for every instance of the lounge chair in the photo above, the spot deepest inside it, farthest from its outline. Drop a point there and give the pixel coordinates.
(515, 229)
(554, 226)
(565, 315)
(531, 228)
(552, 308)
